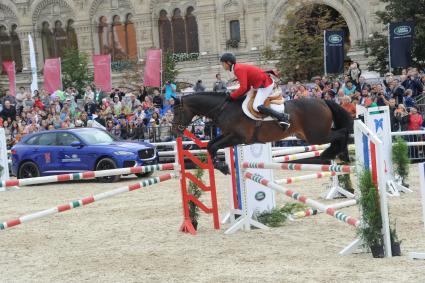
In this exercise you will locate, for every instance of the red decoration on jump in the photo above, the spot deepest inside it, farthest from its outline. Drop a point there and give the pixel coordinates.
(187, 226)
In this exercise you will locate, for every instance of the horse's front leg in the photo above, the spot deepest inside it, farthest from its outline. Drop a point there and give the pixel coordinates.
(220, 143)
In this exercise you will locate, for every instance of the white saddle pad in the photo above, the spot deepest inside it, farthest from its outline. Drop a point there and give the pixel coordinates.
(277, 107)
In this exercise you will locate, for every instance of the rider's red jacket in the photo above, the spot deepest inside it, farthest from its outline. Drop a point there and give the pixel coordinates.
(249, 76)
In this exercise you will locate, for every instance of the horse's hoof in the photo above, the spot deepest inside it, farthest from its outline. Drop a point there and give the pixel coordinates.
(222, 167)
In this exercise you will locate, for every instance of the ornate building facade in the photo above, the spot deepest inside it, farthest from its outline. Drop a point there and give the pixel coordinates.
(127, 28)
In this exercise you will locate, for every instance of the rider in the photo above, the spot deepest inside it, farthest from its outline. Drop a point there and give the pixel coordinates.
(252, 76)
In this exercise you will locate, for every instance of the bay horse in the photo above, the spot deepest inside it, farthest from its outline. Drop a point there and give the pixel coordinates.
(313, 120)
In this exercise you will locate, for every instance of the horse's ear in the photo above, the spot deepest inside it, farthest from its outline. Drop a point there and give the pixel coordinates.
(177, 101)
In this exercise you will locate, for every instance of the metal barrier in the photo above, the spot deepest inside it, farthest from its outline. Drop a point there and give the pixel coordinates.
(415, 141)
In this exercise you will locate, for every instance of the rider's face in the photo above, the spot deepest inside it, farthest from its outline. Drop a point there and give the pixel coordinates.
(226, 66)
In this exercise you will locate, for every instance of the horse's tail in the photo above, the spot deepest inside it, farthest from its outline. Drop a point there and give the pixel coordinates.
(343, 126)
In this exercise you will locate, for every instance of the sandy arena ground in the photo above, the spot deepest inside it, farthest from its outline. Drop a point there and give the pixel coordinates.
(134, 238)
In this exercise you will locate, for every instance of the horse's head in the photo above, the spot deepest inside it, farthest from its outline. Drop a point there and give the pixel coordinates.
(182, 117)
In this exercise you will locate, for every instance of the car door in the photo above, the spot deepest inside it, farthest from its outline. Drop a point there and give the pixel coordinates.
(73, 159)
(44, 152)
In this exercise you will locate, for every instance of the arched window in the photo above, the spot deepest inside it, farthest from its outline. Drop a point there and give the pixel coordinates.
(48, 41)
(60, 39)
(235, 30)
(191, 31)
(5, 45)
(130, 38)
(118, 39)
(16, 48)
(165, 35)
(71, 35)
(179, 32)
(104, 38)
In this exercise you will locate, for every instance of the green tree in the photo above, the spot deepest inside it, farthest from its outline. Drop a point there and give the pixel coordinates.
(300, 42)
(75, 72)
(169, 71)
(398, 11)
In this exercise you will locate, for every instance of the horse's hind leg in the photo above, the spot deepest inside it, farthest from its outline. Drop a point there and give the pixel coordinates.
(338, 140)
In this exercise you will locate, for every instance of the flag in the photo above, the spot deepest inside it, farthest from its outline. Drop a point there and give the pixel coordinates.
(52, 75)
(152, 74)
(401, 41)
(34, 83)
(102, 72)
(9, 68)
(334, 52)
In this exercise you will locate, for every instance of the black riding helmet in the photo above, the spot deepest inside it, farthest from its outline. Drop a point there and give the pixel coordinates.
(228, 57)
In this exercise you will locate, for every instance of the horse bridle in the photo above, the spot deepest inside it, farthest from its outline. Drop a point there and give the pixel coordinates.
(181, 126)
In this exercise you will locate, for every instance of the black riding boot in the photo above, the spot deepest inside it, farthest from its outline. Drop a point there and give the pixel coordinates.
(283, 118)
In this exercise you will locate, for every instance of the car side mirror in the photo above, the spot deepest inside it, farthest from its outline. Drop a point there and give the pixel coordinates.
(77, 144)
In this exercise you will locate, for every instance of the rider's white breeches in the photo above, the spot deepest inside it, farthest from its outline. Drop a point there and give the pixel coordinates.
(262, 94)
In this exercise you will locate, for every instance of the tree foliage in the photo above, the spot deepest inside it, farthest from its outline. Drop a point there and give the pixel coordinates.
(169, 71)
(75, 72)
(398, 11)
(300, 41)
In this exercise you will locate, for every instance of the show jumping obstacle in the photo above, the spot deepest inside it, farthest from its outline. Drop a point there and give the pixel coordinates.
(368, 154)
(85, 201)
(86, 175)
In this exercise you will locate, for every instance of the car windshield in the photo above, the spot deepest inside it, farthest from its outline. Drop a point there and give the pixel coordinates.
(97, 137)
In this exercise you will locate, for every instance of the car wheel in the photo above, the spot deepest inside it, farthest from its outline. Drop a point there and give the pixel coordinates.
(28, 170)
(106, 164)
(144, 175)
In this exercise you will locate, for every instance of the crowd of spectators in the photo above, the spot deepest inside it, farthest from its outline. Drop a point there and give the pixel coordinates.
(146, 114)
(401, 93)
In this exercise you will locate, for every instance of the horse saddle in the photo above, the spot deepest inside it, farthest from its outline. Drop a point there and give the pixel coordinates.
(274, 101)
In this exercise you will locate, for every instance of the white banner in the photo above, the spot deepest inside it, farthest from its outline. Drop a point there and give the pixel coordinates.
(4, 161)
(34, 83)
(259, 197)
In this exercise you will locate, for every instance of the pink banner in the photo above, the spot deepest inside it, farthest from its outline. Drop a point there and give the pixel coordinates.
(152, 75)
(102, 72)
(9, 68)
(52, 75)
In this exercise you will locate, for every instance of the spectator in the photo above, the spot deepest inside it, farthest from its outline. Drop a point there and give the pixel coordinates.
(362, 84)
(20, 96)
(28, 102)
(219, 85)
(413, 83)
(139, 113)
(415, 120)
(393, 121)
(9, 97)
(349, 89)
(408, 99)
(348, 106)
(134, 102)
(402, 117)
(8, 111)
(354, 73)
(89, 94)
(117, 105)
(157, 99)
(170, 90)
(90, 107)
(98, 96)
(142, 93)
(199, 87)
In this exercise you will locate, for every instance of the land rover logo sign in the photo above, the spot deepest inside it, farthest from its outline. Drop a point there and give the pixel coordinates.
(402, 30)
(260, 195)
(335, 39)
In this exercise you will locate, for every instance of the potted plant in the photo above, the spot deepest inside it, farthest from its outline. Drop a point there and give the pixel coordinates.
(371, 229)
(395, 242)
(196, 192)
(401, 159)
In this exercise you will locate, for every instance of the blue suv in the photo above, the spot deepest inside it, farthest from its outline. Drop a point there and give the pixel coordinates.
(78, 150)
